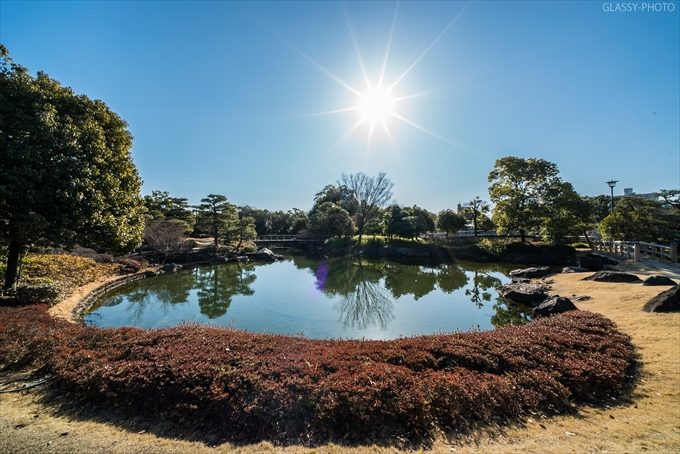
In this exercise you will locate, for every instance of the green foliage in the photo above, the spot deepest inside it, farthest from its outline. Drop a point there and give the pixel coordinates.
(450, 221)
(67, 174)
(494, 246)
(600, 207)
(160, 206)
(408, 222)
(276, 222)
(638, 219)
(516, 188)
(330, 219)
(216, 216)
(242, 230)
(529, 196)
(564, 213)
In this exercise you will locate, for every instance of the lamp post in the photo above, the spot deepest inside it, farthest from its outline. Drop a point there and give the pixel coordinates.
(611, 184)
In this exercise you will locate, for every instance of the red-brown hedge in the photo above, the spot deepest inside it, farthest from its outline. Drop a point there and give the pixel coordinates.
(243, 385)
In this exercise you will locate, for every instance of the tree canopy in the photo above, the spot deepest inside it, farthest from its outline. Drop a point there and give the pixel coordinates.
(67, 174)
(450, 221)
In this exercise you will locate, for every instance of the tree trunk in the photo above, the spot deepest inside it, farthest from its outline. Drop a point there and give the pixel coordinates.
(13, 260)
(585, 233)
(474, 224)
(523, 235)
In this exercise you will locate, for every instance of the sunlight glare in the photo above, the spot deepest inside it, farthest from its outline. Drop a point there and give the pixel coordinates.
(376, 105)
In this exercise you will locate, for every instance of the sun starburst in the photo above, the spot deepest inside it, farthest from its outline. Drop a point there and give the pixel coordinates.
(377, 104)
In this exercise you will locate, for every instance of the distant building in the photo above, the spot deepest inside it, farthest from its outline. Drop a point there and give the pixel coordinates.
(628, 192)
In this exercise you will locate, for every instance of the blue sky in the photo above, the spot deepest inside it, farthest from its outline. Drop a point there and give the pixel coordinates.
(219, 95)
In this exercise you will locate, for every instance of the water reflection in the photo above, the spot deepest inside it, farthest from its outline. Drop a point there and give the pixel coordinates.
(339, 297)
(364, 302)
(218, 284)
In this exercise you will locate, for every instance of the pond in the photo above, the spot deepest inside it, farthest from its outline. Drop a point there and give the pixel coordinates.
(336, 298)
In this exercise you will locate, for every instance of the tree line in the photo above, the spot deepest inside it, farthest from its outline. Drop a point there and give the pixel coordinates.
(67, 177)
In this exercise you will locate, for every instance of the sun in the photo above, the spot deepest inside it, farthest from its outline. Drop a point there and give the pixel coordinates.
(376, 105)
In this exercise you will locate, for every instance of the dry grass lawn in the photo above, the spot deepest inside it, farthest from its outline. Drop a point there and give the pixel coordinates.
(649, 421)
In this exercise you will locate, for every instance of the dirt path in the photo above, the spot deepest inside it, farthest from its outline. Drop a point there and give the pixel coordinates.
(650, 423)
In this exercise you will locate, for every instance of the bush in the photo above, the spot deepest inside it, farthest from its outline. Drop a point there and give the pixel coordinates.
(241, 385)
(493, 246)
(53, 276)
(132, 265)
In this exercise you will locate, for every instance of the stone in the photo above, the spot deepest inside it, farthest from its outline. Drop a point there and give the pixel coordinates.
(574, 269)
(555, 305)
(524, 293)
(521, 280)
(612, 276)
(668, 301)
(266, 254)
(658, 279)
(531, 273)
(596, 262)
(171, 267)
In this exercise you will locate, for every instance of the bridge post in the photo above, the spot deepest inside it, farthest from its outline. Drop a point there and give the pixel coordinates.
(636, 252)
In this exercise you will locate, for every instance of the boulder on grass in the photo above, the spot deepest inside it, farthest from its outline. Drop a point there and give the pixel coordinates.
(668, 301)
(532, 273)
(612, 276)
(555, 305)
(658, 279)
(524, 293)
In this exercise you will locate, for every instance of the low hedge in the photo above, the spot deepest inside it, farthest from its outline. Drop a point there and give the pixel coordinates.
(246, 386)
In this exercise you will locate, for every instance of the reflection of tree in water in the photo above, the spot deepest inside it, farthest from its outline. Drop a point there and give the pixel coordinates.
(450, 278)
(509, 313)
(408, 279)
(364, 301)
(163, 291)
(217, 285)
(481, 284)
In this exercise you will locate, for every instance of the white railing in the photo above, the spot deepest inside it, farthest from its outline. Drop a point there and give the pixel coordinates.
(637, 250)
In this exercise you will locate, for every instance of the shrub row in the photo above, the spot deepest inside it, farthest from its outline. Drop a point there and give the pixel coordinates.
(246, 386)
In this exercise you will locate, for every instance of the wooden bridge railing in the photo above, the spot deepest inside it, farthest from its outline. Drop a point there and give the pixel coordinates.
(637, 250)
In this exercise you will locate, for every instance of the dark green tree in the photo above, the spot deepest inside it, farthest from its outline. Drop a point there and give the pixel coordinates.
(564, 213)
(638, 219)
(66, 173)
(243, 229)
(450, 221)
(517, 187)
(160, 206)
(216, 215)
(330, 219)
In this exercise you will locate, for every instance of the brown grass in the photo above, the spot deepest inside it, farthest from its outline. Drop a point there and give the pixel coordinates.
(649, 422)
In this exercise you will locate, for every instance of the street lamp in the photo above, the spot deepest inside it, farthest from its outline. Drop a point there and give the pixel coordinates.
(611, 184)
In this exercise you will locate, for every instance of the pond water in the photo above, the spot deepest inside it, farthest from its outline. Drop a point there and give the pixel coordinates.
(337, 298)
